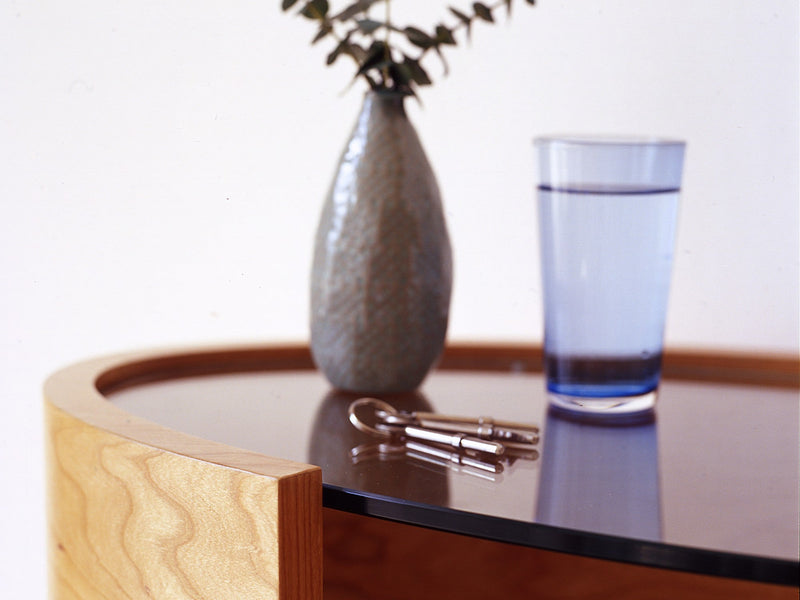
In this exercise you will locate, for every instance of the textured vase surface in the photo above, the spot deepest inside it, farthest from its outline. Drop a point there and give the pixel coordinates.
(382, 271)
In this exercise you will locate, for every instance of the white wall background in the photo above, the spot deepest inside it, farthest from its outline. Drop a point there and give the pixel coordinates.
(162, 165)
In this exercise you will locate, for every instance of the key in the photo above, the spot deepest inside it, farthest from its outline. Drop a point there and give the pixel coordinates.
(482, 427)
(479, 435)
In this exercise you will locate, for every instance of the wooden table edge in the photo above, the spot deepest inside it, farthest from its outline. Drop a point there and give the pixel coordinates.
(106, 467)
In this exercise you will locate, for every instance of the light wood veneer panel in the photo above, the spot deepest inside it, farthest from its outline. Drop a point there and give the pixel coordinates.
(138, 511)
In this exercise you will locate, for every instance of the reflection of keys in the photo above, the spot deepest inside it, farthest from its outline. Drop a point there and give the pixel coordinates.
(457, 458)
(479, 435)
(459, 461)
(456, 440)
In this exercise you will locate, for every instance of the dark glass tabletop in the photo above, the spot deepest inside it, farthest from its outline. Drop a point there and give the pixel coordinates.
(710, 485)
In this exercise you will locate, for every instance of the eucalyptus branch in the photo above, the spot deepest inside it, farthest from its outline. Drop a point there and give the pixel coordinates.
(383, 64)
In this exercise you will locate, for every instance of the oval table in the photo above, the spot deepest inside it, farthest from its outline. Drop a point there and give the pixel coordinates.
(233, 472)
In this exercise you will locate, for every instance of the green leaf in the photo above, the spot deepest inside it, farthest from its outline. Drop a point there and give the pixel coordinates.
(419, 38)
(444, 36)
(357, 52)
(368, 26)
(376, 57)
(417, 73)
(340, 49)
(400, 75)
(467, 21)
(287, 4)
(315, 9)
(325, 29)
(461, 16)
(483, 12)
(358, 7)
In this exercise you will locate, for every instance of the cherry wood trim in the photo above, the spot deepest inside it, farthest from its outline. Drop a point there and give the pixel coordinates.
(774, 370)
(371, 558)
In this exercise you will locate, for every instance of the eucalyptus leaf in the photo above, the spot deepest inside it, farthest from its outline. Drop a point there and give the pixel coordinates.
(400, 74)
(444, 36)
(325, 30)
(461, 16)
(368, 26)
(315, 9)
(466, 21)
(357, 52)
(356, 8)
(419, 38)
(341, 48)
(418, 74)
(376, 59)
(483, 12)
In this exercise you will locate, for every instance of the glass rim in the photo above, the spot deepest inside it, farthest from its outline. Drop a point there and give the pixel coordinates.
(602, 140)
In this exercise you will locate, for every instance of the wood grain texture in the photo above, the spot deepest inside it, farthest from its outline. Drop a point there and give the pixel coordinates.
(368, 558)
(137, 511)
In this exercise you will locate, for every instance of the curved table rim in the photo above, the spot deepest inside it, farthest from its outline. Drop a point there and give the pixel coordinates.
(80, 390)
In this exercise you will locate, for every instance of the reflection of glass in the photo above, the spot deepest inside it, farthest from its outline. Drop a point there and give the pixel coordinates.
(600, 478)
(333, 438)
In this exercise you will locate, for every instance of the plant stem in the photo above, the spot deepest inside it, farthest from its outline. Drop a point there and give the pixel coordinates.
(388, 28)
(388, 20)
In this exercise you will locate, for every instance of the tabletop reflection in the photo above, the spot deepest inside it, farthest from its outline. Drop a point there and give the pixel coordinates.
(333, 439)
(680, 481)
(600, 478)
(416, 470)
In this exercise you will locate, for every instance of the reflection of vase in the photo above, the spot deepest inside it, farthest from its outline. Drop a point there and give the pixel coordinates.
(382, 272)
(600, 479)
(333, 438)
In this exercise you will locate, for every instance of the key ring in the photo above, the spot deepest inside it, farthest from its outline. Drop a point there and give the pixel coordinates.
(362, 425)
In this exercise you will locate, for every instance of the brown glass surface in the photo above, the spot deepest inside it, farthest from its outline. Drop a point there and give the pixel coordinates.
(711, 485)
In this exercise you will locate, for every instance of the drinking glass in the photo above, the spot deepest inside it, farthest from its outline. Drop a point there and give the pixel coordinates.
(608, 212)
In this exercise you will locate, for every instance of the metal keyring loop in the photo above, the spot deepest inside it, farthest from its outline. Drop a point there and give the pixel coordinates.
(361, 425)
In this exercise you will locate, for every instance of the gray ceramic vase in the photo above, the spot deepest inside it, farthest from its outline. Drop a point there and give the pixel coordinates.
(382, 270)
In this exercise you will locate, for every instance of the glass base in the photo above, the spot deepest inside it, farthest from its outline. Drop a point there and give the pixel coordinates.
(618, 410)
